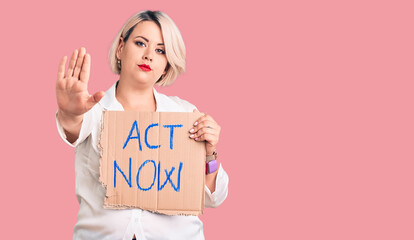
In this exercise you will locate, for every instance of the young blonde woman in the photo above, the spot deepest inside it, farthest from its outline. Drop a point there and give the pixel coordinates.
(148, 50)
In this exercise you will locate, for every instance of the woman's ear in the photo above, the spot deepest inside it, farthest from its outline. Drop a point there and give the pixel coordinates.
(120, 48)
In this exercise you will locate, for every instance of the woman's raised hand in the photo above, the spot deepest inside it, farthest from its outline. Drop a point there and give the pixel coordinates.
(72, 93)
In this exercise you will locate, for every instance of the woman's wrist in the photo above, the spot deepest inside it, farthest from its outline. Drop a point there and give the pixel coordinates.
(211, 162)
(211, 152)
(71, 124)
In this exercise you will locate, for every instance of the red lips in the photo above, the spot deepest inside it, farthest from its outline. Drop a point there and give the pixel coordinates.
(145, 67)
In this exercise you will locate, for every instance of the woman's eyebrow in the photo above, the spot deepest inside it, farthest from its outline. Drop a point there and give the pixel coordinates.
(148, 41)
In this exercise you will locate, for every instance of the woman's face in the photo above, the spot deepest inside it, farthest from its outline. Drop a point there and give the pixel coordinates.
(145, 45)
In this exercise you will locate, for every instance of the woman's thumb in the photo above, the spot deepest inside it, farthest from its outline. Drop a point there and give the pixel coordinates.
(98, 96)
(94, 99)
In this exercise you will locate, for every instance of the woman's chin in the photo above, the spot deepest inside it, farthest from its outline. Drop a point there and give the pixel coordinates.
(144, 81)
(141, 78)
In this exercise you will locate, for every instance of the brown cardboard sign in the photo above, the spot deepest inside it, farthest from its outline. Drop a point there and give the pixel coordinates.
(148, 161)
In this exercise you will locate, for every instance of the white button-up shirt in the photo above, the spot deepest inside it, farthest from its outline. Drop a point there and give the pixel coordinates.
(95, 222)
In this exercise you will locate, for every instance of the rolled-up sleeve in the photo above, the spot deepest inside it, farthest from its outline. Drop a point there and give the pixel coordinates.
(216, 198)
(85, 131)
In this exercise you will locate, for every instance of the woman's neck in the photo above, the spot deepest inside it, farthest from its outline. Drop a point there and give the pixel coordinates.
(135, 98)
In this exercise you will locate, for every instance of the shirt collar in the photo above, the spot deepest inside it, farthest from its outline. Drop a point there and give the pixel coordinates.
(109, 101)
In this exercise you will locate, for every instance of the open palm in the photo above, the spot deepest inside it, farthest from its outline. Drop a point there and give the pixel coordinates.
(72, 93)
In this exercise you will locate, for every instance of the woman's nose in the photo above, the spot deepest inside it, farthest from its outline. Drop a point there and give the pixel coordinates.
(148, 55)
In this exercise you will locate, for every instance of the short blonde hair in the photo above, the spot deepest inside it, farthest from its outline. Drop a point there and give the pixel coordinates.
(173, 42)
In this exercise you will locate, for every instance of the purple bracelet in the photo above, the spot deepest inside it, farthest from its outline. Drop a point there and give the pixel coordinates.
(211, 166)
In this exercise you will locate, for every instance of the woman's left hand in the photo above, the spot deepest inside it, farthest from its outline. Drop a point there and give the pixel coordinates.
(206, 129)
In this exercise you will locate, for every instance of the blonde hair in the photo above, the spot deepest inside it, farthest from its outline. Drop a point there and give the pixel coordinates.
(173, 42)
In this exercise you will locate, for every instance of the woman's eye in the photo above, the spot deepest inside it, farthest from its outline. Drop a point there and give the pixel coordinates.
(161, 51)
(140, 43)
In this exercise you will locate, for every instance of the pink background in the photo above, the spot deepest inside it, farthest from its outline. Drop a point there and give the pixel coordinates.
(314, 99)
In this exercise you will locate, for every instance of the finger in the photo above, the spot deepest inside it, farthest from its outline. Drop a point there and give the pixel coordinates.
(72, 63)
(210, 138)
(205, 123)
(208, 117)
(79, 62)
(203, 131)
(199, 120)
(94, 99)
(61, 69)
(195, 110)
(86, 69)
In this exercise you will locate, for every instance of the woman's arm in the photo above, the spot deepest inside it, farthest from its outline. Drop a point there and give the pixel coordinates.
(211, 181)
(206, 129)
(71, 125)
(221, 186)
(72, 93)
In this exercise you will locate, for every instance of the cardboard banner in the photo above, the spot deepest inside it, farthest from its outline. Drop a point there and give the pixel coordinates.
(148, 161)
